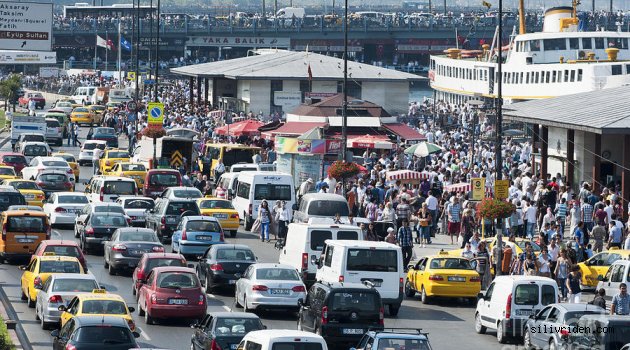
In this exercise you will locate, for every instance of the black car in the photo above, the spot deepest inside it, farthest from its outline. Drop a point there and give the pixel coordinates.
(223, 330)
(98, 207)
(104, 134)
(341, 312)
(51, 181)
(95, 333)
(127, 246)
(10, 196)
(223, 264)
(166, 215)
(604, 332)
(98, 228)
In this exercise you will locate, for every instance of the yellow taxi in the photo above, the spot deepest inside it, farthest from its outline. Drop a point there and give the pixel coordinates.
(74, 103)
(136, 171)
(97, 303)
(72, 161)
(222, 210)
(7, 172)
(82, 115)
(29, 189)
(40, 268)
(443, 275)
(111, 157)
(598, 265)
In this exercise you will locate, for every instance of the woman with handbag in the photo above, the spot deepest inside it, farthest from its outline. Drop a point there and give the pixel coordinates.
(424, 229)
(264, 215)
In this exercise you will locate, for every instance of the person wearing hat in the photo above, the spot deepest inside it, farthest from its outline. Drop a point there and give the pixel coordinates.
(305, 187)
(391, 237)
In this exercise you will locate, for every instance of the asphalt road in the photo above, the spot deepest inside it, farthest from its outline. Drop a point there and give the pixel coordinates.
(448, 322)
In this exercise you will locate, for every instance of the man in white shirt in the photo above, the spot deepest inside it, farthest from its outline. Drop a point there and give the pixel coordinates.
(530, 217)
(96, 157)
(219, 169)
(332, 183)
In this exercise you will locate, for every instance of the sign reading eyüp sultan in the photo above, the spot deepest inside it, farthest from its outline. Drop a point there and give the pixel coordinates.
(252, 41)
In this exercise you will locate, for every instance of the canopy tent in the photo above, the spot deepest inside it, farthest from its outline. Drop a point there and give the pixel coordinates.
(370, 142)
(463, 187)
(246, 127)
(406, 176)
(423, 149)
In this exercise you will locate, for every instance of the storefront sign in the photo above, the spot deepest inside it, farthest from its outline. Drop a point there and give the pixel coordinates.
(27, 57)
(294, 145)
(240, 41)
(287, 99)
(319, 94)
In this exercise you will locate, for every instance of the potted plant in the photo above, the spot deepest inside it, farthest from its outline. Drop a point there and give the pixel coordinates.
(343, 170)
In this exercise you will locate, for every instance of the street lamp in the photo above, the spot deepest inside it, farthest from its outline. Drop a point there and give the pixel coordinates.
(344, 109)
(499, 131)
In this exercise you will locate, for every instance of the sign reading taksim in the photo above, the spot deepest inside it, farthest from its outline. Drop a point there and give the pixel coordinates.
(26, 26)
(155, 113)
(501, 189)
(240, 41)
(478, 188)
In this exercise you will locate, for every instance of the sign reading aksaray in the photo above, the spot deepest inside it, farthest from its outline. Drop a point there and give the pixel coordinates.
(249, 41)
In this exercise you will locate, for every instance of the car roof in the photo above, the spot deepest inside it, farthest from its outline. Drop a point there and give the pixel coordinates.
(287, 333)
(74, 276)
(325, 226)
(200, 218)
(56, 258)
(60, 242)
(7, 166)
(345, 285)
(95, 141)
(37, 143)
(135, 229)
(273, 265)
(137, 197)
(523, 278)
(161, 269)
(234, 314)
(324, 196)
(67, 193)
(117, 178)
(577, 307)
(7, 188)
(52, 171)
(11, 154)
(108, 213)
(362, 244)
(42, 158)
(153, 171)
(100, 296)
(85, 320)
(164, 256)
(104, 204)
(183, 188)
(231, 246)
(24, 213)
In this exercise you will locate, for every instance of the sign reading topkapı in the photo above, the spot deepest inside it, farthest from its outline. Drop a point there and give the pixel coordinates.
(25, 26)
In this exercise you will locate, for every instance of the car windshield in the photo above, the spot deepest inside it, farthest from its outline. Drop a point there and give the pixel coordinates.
(157, 262)
(236, 326)
(450, 263)
(120, 187)
(526, 294)
(108, 220)
(142, 236)
(54, 163)
(139, 204)
(24, 185)
(163, 179)
(52, 123)
(56, 266)
(53, 178)
(98, 108)
(107, 307)
(403, 343)
(384, 260)
(106, 131)
(74, 285)
(8, 199)
(91, 146)
(296, 346)
(177, 280)
(327, 208)
(235, 254)
(215, 204)
(63, 104)
(177, 208)
(118, 154)
(105, 334)
(355, 300)
(74, 199)
(30, 224)
(63, 250)
(67, 157)
(14, 159)
(7, 171)
(35, 150)
(133, 167)
(187, 193)
(36, 138)
(571, 318)
(203, 226)
(109, 209)
(272, 192)
(276, 274)
(81, 110)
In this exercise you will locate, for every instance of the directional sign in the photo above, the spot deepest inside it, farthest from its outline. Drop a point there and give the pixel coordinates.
(155, 112)
(501, 189)
(131, 75)
(177, 159)
(26, 26)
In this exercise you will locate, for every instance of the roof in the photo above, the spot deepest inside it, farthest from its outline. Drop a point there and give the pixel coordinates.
(56, 257)
(604, 111)
(234, 314)
(578, 307)
(164, 255)
(273, 333)
(405, 132)
(135, 229)
(100, 296)
(63, 242)
(324, 196)
(74, 276)
(525, 278)
(200, 218)
(325, 226)
(161, 269)
(290, 65)
(331, 106)
(85, 320)
(295, 128)
(24, 213)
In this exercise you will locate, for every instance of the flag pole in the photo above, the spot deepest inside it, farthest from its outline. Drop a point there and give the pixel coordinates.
(119, 55)
(95, 46)
(106, 50)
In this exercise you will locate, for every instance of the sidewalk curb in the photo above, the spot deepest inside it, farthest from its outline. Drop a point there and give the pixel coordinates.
(18, 335)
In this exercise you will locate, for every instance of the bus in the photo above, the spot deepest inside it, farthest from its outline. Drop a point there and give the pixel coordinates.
(231, 153)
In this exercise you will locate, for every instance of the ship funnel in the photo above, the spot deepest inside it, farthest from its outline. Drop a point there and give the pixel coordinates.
(554, 18)
(612, 53)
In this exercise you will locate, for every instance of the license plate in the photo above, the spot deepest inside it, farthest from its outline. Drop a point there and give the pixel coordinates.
(220, 216)
(233, 346)
(456, 279)
(178, 301)
(352, 331)
(74, 211)
(29, 196)
(524, 312)
(156, 193)
(204, 238)
(137, 252)
(232, 282)
(170, 220)
(25, 240)
(280, 291)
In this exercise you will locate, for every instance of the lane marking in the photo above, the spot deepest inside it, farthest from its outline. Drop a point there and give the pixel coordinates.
(144, 334)
(57, 233)
(227, 308)
(211, 296)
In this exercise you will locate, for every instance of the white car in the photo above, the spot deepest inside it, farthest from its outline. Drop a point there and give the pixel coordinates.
(33, 149)
(136, 208)
(62, 207)
(269, 285)
(38, 164)
(64, 106)
(85, 155)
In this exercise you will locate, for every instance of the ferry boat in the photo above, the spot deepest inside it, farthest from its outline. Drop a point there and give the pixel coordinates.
(558, 61)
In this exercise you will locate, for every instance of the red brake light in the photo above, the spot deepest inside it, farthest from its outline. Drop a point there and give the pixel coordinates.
(184, 236)
(119, 248)
(299, 289)
(304, 261)
(89, 231)
(68, 184)
(40, 183)
(234, 216)
(342, 278)
(153, 298)
(475, 279)
(202, 299)
(102, 193)
(132, 325)
(381, 316)
(325, 315)
(55, 299)
(214, 345)
(260, 288)
(159, 249)
(216, 267)
(69, 171)
(70, 347)
(436, 278)
(564, 332)
(163, 221)
(129, 221)
(60, 210)
(401, 284)
(508, 307)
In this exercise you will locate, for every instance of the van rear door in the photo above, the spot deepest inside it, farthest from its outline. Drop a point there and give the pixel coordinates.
(530, 297)
(24, 232)
(382, 267)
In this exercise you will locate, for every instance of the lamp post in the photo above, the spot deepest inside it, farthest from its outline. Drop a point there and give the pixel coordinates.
(499, 130)
(157, 71)
(344, 108)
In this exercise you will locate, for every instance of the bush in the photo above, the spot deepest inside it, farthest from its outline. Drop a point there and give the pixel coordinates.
(343, 170)
(5, 339)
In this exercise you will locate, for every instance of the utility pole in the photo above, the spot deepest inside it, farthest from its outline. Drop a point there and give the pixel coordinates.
(157, 52)
(499, 130)
(344, 109)
(445, 7)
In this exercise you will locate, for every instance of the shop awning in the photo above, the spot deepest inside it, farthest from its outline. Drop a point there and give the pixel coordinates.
(293, 129)
(405, 132)
(370, 142)
(246, 127)
(406, 175)
(463, 187)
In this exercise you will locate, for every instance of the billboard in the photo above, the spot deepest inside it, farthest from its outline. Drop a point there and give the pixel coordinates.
(25, 26)
(27, 57)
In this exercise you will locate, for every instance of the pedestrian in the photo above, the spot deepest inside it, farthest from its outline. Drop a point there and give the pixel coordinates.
(453, 211)
(424, 225)
(403, 212)
(370, 234)
(391, 237)
(599, 299)
(615, 236)
(544, 263)
(599, 234)
(284, 218)
(70, 132)
(467, 252)
(621, 301)
(573, 285)
(219, 169)
(96, 157)
(264, 215)
(405, 241)
(75, 140)
(483, 265)
(467, 226)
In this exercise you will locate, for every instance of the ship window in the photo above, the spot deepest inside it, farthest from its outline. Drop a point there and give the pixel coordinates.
(536, 79)
(579, 77)
(548, 74)
(485, 75)
(573, 75)
(616, 69)
(574, 43)
(627, 68)
(620, 43)
(566, 75)
(520, 80)
(527, 78)
(554, 76)
(534, 45)
(587, 43)
(555, 44)
(599, 43)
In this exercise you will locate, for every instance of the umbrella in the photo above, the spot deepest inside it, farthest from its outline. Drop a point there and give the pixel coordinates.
(423, 149)
(370, 141)
(246, 127)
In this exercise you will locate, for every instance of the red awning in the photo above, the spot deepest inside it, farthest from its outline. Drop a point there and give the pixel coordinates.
(405, 132)
(246, 127)
(293, 129)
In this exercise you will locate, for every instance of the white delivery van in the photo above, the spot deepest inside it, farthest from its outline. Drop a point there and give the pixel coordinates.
(282, 339)
(253, 187)
(304, 244)
(109, 188)
(321, 205)
(379, 263)
(85, 95)
(510, 300)
(26, 125)
(238, 167)
(228, 181)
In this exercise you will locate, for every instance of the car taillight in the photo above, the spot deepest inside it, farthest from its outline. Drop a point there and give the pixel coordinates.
(55, 299)
(163, 222)
(159, 249)
(70, 347)
(102, 193)
(260, 288)
(214, 345)
(508, 307)
(202, 299)
(60, 210)
(564, 332)
(132, 325)
(249, 208)
(299, 289)
(39, 196)
(89, 231)
(475, 279)
(133, 217)
(401, 284)
(436, 278)
(222, 237)
(68, 184)
(304, 261)
(70, 171)
(184, 235)
(234, 216)
(216, 267)
(40, 183)
(381, 316)
(153, 298)
(129, 221)
(119, 248)
(325, 315)
(341, 278)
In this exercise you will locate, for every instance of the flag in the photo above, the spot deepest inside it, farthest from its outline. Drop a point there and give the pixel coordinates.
(126, 45)
(487, 4)
(310, 73)
(110, 45)
(101, 42)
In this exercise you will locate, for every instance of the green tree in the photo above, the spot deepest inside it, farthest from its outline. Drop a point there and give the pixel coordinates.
(9, 90)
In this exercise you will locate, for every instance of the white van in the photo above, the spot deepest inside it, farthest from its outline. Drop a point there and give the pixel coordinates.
(618, 273)
(379, 263)
(510, 300)
(238, 167)
(321, 205)
(109, 188)
(282, 339)
(253, 187)
(85, 95)
(304, 244)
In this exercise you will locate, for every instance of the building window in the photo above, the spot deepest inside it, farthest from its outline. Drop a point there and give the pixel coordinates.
(579, 77)
(352, 87)
(276, 85)
(587, 43)
(574, 43)
(305, 87)
(616, 69)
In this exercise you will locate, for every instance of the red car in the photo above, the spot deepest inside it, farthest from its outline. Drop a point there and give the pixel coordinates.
(16, 160)
(172, 292)
(40, 101)
(61, 248)
(149, 261)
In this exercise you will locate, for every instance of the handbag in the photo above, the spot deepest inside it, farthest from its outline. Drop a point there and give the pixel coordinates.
(256, 226)
(424, 222)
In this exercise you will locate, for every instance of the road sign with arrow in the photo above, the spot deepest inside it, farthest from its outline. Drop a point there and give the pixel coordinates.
(177, 159)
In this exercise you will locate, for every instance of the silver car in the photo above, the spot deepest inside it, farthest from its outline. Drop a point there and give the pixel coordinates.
(136, 208)
(270, 286)
(59, 290)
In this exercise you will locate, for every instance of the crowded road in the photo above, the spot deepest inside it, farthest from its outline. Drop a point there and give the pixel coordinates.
(448, 322)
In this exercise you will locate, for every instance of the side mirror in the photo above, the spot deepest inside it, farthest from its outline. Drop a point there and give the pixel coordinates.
(136, 334)
(38, 286)
(532, 317)
(195, 325)
(55, 333)
(600, 277)
(192, 266)
(23, 267)
(62, 308)
(264, 327)
(230, 192)
(294, 207)
(131, 309)
(409, 267)
(481, 295)
(200, 257)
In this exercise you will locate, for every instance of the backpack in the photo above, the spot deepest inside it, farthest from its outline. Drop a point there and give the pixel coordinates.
(507, 259)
